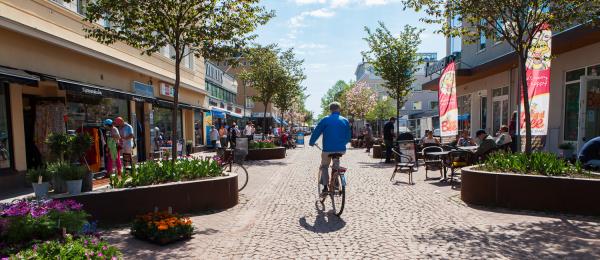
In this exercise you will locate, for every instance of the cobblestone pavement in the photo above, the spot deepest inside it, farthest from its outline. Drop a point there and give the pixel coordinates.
(277, 218)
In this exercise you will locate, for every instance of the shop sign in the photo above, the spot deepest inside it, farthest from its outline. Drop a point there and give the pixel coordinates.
(167, 90)
(448, 107)
(91, 91)
(538, 82)
(143, 89)
(260, 114)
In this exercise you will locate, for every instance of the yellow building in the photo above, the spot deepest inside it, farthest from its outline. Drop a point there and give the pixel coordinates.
(54, 79)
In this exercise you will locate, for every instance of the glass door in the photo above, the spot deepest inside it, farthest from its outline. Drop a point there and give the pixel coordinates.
(589, 110)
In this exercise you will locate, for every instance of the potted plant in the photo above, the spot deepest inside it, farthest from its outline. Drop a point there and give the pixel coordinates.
(40, 180)
(567, 150)
(73, 176)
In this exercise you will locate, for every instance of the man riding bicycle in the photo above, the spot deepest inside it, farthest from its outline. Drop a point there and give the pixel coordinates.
(336, 134)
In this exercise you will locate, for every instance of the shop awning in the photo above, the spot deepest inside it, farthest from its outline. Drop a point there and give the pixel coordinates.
(464, 117)
(218, 112)
(17, 76)
(94, 90)
(236, 115)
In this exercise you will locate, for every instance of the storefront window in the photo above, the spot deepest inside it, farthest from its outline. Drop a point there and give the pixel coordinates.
(571, 111)
(464, 112)
(4, 129)
(162, 121)
(88, 111)
(198, 127)
(483, 112)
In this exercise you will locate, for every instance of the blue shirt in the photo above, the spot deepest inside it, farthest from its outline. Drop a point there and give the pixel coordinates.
(336, 133)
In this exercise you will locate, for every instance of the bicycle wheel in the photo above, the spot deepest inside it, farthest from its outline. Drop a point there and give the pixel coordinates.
(319, 198)
(338, 196)
(242, 174)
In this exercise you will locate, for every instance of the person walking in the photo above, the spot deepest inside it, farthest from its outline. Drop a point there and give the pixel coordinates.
(388, 139)
(249, 131)
(368, 137)
(127, 140)
(214, 136)
(234, 132)
(223, 135)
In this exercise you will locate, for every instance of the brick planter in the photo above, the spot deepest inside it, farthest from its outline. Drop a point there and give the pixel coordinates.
(377, 151)
(530, 192)
(266, 154)
(119, 206)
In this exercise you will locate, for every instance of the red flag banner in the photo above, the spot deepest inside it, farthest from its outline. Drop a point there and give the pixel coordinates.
(538, 82)
(447, 101)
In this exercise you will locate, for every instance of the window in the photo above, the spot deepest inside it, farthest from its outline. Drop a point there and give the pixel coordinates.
(483, 112)
(464, 112)
(198, 127)
(417, 105)
(77, 6)
(249, 102)
(482, 37)
(5, 138)
(571, 122)
(500, 111)
(434, 105)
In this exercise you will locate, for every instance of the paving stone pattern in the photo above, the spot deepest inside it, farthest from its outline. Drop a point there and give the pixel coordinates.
(277, 218)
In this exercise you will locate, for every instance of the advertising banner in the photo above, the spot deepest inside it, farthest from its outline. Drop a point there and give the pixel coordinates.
(538, 82)
(447, 101)
(207, 125)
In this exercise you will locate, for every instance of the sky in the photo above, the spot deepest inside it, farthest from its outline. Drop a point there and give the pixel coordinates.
(328, 35)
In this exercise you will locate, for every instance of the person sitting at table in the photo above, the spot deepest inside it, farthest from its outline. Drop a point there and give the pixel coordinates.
(429, 139)
(589, 155)
(465, 139)
(486, 143)
(503, 136)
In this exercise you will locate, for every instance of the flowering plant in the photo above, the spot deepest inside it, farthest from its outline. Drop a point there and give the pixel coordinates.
(84, 247)
(162, 227)
(262, 144)
(23, 221)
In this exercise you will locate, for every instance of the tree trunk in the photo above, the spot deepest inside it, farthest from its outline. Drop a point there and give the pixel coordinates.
(525, 95)
(174, 135)
(265, 121)
(397, 114)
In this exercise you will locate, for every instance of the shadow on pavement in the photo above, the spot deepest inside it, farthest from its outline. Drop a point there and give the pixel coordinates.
(325, 222)
(559, 239)
(376, 165)
(279, 162)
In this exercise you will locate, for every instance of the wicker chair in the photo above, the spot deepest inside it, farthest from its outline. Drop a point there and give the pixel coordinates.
(404, 164)
(432, 163)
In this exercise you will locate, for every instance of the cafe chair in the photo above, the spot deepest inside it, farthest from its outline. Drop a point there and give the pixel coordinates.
(404, 164)
(432, 163)
(457, 160)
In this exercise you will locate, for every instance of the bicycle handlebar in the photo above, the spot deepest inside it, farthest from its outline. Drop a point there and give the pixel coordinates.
(318, 147)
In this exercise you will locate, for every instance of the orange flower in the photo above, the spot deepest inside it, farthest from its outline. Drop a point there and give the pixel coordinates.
(162, 227)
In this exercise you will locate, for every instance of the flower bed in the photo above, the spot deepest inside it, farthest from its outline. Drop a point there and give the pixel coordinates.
(162, 228)
(49, 229)
(261, 144)
(266, 154)
(541, 182)
(152, 173)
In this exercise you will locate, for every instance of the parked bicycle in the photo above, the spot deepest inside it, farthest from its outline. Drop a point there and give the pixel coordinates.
(232, 165)
(336, 189)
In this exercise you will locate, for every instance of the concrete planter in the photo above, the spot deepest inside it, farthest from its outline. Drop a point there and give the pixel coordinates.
(74, 186)
(266, 154)
(117, 206)
(530, 192)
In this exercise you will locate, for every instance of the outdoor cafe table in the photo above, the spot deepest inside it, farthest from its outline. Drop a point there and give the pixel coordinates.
(444, 157)
(468, 148)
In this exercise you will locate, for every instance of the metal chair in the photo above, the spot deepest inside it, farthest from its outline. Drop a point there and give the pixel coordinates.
(457, 160)
(432, 163)
(404, 164)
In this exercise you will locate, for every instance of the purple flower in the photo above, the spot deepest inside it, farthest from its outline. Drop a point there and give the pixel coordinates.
(100, 254)
(104, 248)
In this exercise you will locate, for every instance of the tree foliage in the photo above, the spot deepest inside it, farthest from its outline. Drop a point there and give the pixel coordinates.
(334, 94)
(395, 59)
(210, 29)
(291, 92)
(383, 110)
(515, 22)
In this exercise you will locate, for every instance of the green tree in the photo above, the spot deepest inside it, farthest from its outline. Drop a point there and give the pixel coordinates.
(383, 110)
(394, 59)
(290, 92)
(335, 93)
(515, 22)
(212, 29)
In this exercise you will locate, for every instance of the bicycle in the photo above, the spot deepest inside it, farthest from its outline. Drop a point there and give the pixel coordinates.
(230, 165)
(336, 189)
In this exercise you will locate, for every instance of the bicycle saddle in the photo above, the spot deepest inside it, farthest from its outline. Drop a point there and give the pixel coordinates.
(336, 155)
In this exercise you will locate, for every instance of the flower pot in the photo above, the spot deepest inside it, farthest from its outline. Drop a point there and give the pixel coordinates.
(74, 187)
(88, 182)
(41, 190)
(59, 185)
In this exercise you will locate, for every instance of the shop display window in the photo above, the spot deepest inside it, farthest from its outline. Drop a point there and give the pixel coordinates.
(5, 148)
(84, 111)
(162, 123)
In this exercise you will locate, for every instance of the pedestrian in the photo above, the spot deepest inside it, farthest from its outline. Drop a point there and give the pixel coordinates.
(388, 138)
(214, 136)
(429, 140)
(233, 133)
(504, 137)
(248, 131)
(111, 150)
(486, 143)
(369, 137)
(127, 140)
(223, 135)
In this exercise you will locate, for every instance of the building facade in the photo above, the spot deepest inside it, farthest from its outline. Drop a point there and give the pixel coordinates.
(54, 79)
(223, 91)
(488, 85)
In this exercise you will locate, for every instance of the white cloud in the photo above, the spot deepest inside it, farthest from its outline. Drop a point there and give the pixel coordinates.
(304, 2)
(298, 20)
(323, 12)
(338, 3)
(316, 66)
(311, 46)
(376, 2)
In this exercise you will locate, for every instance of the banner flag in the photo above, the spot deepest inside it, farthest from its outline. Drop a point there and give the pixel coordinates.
(447, 101)
(538, 82)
